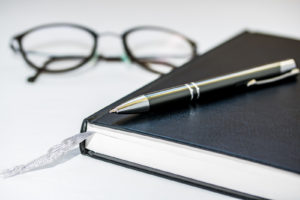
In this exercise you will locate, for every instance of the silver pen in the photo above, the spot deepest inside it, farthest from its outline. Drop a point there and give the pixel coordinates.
(195, 90)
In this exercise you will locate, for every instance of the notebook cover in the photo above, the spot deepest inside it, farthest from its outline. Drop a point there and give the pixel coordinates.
(260, 125)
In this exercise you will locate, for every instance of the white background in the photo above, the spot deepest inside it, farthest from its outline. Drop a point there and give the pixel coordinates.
(34, 117)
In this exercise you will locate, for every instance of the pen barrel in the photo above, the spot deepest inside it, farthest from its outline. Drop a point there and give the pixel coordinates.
(196, 90)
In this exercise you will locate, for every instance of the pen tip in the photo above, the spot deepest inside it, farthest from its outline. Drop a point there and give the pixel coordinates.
(113, 110)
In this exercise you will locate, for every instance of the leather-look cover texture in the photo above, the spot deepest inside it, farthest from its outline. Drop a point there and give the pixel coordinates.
(260, 124)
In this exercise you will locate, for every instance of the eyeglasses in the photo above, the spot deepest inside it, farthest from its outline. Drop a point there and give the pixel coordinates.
(62, 47)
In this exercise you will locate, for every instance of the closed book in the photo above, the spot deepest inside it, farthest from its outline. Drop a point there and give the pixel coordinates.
(243, 143)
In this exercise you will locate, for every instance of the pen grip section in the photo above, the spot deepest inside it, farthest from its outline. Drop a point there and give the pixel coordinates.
(170, 96)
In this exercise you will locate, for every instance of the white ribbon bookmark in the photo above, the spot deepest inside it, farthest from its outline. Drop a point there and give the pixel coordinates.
(53, 154)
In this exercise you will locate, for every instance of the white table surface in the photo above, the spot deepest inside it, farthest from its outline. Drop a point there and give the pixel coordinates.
(34, 117)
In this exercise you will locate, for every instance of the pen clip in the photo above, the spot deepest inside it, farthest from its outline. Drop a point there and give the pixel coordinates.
(291, 73)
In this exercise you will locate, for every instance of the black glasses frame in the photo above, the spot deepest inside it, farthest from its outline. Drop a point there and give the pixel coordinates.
(17, 46)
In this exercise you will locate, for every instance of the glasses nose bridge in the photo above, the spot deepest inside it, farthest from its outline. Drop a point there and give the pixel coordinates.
(109, 34)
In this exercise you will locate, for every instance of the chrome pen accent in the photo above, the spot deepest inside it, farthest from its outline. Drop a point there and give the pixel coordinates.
(191, 91)
(197, 89)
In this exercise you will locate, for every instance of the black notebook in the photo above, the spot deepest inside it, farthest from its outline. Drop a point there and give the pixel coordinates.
(245, 144)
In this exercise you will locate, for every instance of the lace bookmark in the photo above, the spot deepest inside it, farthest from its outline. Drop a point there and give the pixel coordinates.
(54, 153)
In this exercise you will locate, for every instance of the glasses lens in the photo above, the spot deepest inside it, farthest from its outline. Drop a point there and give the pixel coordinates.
(59, 47)
(160, 46)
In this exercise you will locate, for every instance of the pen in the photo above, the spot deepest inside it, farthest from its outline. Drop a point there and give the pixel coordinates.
(195, 90)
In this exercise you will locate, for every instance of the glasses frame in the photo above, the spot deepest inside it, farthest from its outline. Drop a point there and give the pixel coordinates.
(16, 45)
